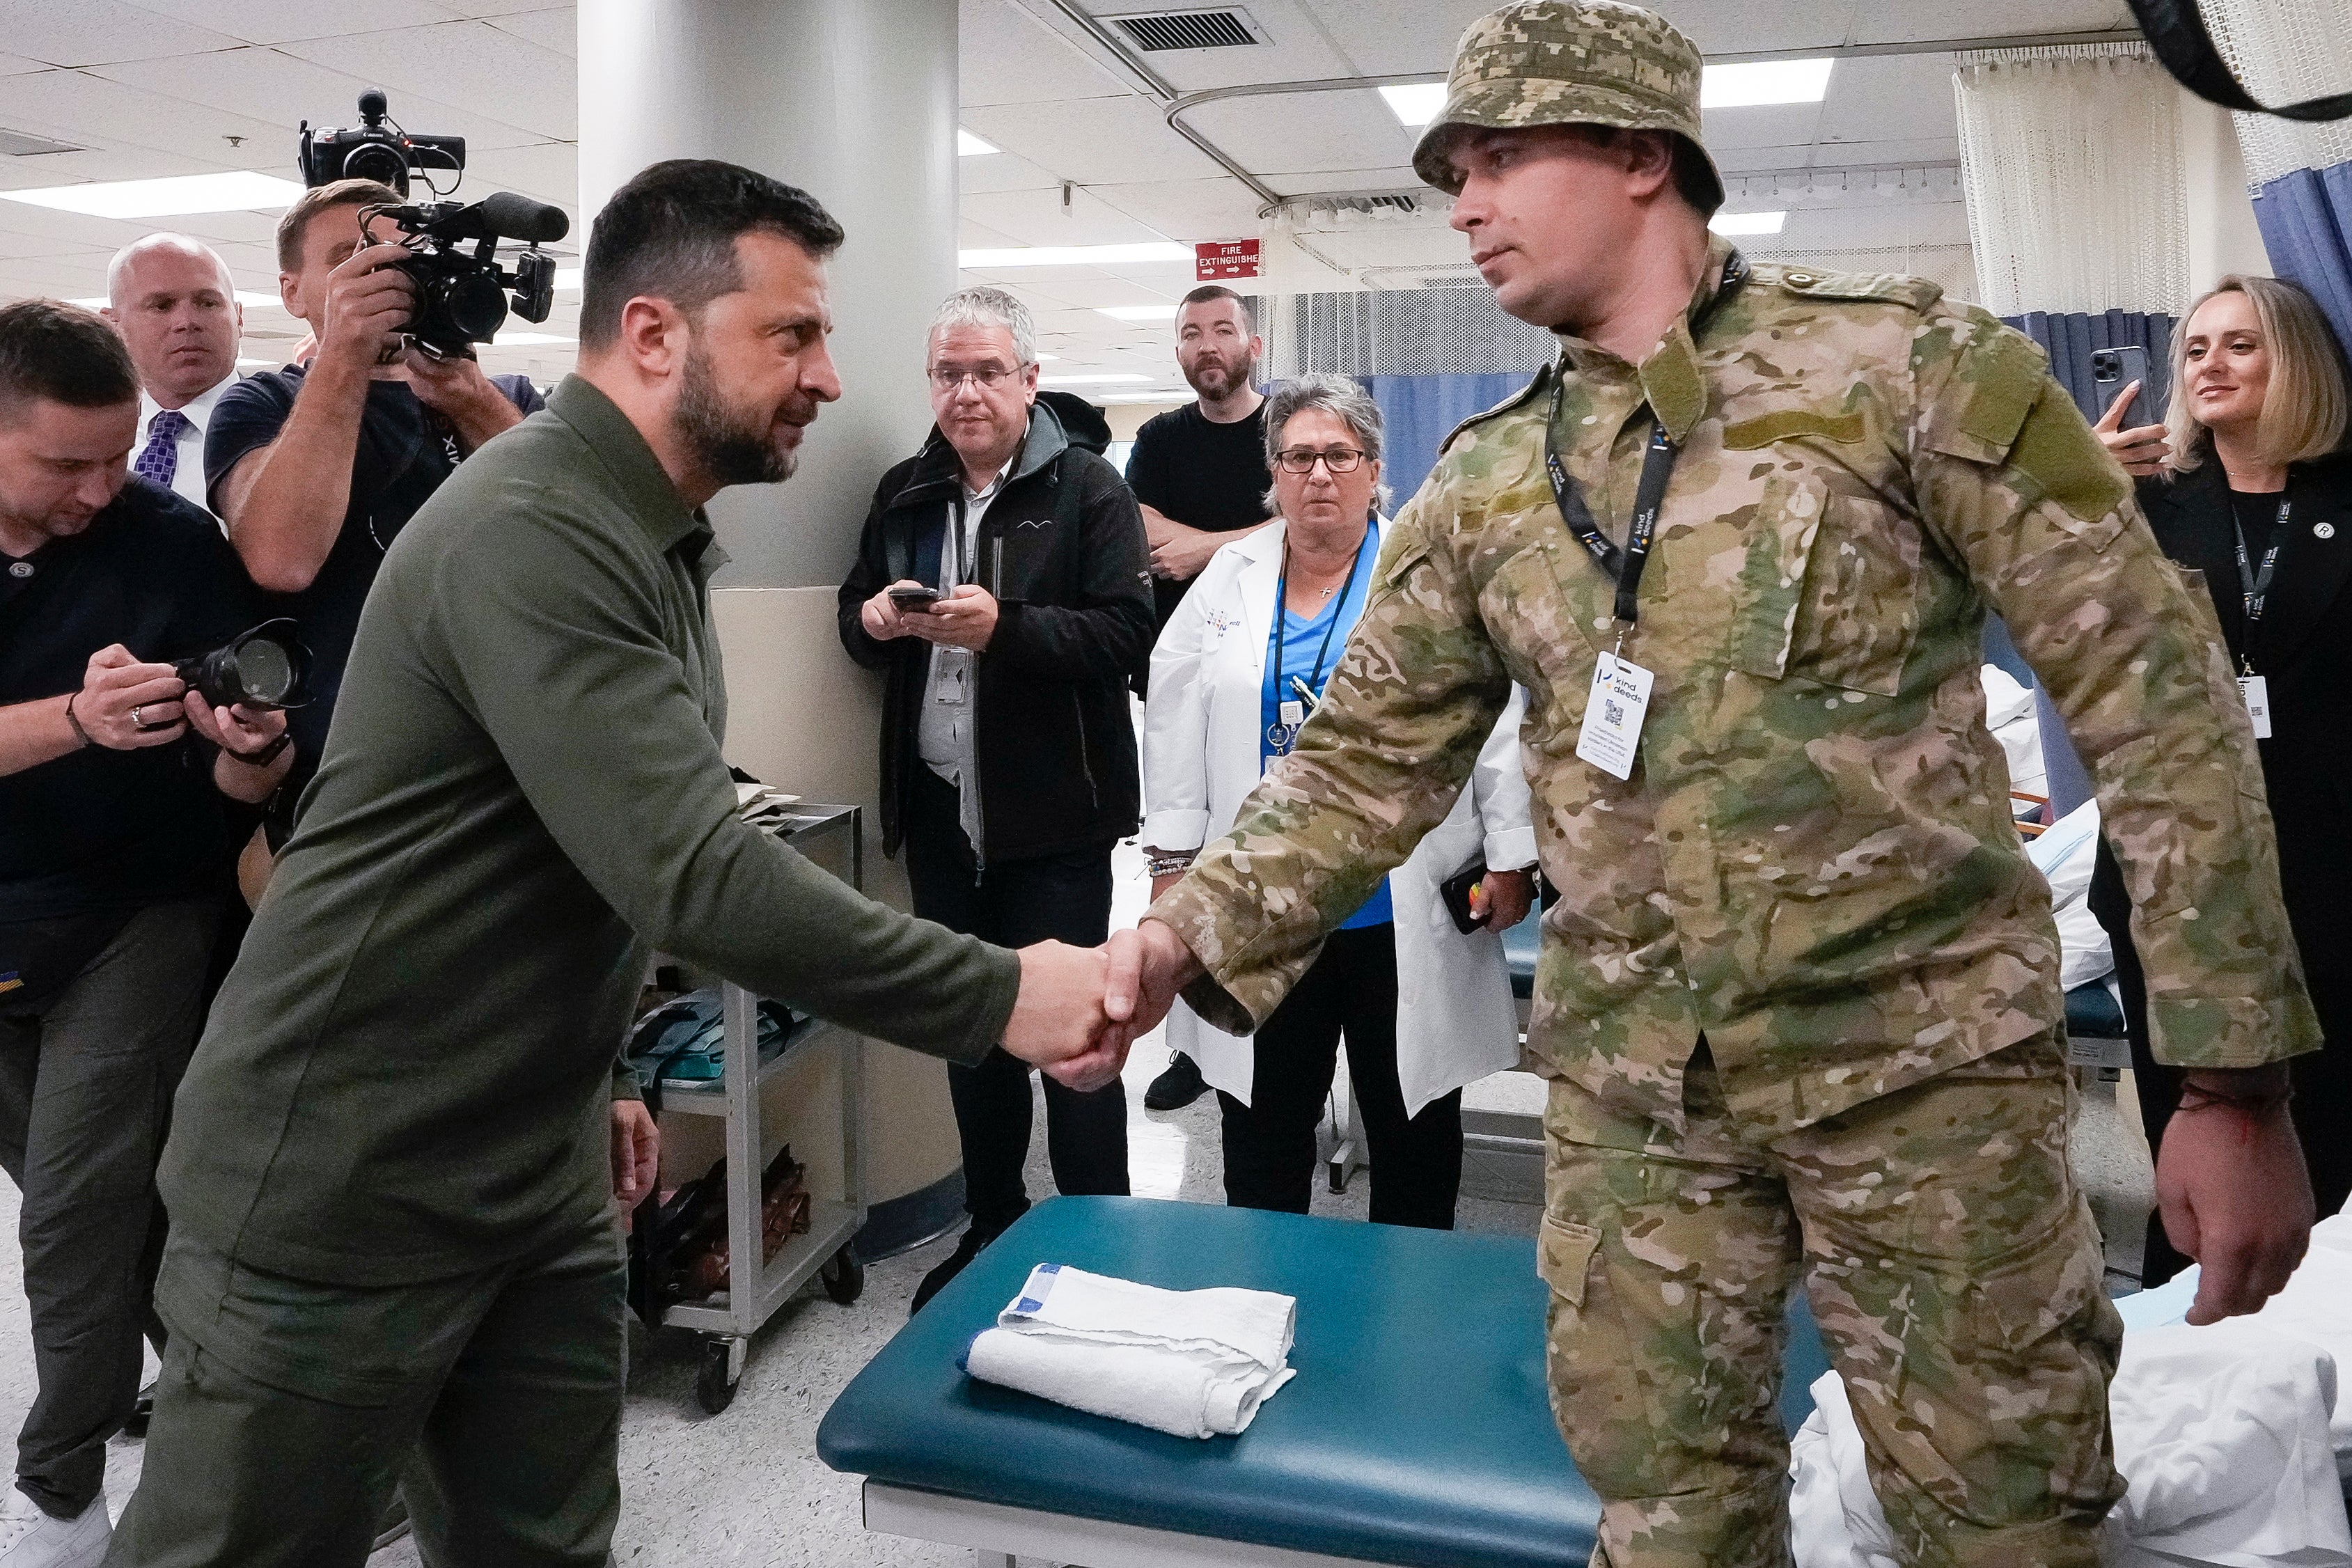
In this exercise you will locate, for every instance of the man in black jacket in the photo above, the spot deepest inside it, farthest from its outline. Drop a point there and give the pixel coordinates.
(1003, 584)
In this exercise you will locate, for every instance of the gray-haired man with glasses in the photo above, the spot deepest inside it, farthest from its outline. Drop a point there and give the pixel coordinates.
(1004, 585)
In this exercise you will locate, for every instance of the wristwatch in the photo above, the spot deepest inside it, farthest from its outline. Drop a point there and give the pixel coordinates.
(267, 754)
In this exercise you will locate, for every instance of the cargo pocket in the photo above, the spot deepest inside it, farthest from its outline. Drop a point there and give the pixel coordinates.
(1860, 611)
(1564, 1257)
(1770, 584)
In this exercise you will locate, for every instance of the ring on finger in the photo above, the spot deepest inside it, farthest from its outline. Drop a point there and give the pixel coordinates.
(139, 718)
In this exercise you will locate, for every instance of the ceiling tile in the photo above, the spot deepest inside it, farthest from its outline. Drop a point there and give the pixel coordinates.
(1094, 139)
(1305, 132)
(1761, 125)
(275, 21)
(1037, 217)
(99, 111)
(274, 87)
(1007, 56)
(557, 29)
(98, 32)
(1909, 94)
(17, 65)
(991, 172)
(1221, 208)
(514, 81)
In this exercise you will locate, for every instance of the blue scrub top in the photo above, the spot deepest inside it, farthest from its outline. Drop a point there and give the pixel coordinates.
(1302, 637)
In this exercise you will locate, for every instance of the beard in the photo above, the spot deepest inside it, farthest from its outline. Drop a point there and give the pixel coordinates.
(1217, 375)
(728, 445)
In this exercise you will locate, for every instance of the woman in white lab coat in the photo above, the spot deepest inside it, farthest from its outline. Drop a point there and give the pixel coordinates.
(1425, 1007)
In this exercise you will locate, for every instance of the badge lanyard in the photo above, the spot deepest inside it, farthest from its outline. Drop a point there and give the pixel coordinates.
(2255, 585)
(1624, 566)
(2254, 590)
(1280, 736)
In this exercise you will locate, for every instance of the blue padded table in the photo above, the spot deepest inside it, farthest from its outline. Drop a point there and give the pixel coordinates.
(1418, 1433)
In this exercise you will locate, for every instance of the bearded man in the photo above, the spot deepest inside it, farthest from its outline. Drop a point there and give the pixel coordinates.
(399, 1160)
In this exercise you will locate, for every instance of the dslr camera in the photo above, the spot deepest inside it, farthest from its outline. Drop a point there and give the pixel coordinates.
(461, 295)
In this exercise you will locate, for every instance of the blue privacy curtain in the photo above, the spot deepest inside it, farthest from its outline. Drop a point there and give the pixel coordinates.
(2071, 336)
(2306, 221)
(1417, 412)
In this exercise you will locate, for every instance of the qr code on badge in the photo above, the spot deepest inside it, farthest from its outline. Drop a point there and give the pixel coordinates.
(1613, 714)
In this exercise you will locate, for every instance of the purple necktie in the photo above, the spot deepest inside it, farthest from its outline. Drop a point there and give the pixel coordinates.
(161, 460)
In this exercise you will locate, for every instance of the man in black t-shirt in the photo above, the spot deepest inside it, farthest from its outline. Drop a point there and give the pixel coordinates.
(316, 468)
(1199, 471)
(121, 796)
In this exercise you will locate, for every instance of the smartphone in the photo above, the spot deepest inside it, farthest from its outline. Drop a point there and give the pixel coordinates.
(2114, 369)
(915, 598)
(1455, 893)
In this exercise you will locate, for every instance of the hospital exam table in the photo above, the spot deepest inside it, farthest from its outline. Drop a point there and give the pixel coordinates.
(1417, 1434)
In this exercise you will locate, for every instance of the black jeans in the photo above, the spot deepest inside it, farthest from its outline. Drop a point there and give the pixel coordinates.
(1065, 898)
(85, 1087)
(1416, 1162)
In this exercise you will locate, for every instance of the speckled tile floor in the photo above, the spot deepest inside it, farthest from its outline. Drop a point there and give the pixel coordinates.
(745, 1488)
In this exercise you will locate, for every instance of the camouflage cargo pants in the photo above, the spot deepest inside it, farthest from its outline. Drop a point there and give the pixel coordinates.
(1954, 1268)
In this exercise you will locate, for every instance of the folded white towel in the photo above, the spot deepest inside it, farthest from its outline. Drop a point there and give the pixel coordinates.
(1193, 1363)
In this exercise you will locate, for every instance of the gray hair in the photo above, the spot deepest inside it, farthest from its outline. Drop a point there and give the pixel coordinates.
(132, 252)
(1335, 396)
(982, 306)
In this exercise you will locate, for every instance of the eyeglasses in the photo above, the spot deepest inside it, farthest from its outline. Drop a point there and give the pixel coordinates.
(1302, 459)
(988, 378)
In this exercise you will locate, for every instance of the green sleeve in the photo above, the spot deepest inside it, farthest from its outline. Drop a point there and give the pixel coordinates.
(552, 643)
(2012, 476)
(1377, 766)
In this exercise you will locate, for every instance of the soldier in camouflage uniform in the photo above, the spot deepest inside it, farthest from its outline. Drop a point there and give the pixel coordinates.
(1798, 999)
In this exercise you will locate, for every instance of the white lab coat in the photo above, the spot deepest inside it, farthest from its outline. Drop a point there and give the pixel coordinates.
(1202, 727)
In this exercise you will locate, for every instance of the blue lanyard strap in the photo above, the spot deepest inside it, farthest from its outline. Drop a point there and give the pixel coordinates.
(1282, 614)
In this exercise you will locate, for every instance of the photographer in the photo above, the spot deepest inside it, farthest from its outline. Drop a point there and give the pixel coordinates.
(115, 840)
(316, 468)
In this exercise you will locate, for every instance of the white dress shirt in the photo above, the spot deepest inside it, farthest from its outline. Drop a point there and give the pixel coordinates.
(188, 478)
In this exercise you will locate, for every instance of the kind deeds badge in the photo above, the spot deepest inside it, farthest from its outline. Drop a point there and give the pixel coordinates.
(1611, 739)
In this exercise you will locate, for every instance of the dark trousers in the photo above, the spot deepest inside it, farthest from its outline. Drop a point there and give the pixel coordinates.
(86, 1086)
(1352, 990)
(1065, 898)
(289, 1409)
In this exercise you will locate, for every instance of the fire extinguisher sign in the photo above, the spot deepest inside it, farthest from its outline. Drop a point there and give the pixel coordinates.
(1221, 260)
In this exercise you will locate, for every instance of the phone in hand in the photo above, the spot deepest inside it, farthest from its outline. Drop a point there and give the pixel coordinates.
(911, 599)
(2114, 369)
(1456, 891)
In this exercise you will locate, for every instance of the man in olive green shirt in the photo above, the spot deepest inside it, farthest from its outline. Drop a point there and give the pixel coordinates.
(393, 1172)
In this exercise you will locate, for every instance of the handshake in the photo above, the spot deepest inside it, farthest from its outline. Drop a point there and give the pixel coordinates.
(1081, 1008)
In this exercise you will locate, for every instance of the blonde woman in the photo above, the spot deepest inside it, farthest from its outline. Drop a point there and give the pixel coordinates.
(2246, 482)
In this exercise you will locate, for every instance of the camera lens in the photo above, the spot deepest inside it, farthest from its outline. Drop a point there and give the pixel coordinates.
(374, 160)
(265, 673)
(471, 303)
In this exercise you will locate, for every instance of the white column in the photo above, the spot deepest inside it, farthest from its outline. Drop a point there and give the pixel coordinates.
(855, 102)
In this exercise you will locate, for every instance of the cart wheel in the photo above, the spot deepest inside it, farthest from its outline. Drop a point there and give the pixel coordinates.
(844, 1276)
(715, 1380)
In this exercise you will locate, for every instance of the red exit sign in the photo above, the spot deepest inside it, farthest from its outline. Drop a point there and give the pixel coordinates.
(1219, 260)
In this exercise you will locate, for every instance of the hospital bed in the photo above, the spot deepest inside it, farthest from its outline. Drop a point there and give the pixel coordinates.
(1418, 1433)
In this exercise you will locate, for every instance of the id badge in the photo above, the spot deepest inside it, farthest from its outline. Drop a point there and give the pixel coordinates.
(1292, 714)
(1613, 710)
(2256, 690)
(951, 689)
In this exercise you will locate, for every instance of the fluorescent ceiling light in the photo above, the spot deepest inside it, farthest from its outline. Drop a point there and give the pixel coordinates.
(568, 279)
(258, 363)
(1764, 81)
(1089, 378)
(970, 146)
(1138, 312)
(1072, 254)
(525, 340)
(1417, 104)
(1748, 223)
(238, 190)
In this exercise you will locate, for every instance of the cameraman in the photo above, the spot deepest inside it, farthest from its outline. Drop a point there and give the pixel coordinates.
(114, 848)
(316, 468)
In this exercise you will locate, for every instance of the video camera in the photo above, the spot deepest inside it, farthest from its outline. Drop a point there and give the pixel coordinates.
(461, 298)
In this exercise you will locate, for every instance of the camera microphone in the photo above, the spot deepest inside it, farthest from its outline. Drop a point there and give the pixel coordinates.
(518, 217)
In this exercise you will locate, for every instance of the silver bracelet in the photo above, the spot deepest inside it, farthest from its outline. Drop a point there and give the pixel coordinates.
(1168, 865)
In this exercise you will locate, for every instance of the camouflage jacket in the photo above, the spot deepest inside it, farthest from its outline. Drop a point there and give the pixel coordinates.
(1814, 863)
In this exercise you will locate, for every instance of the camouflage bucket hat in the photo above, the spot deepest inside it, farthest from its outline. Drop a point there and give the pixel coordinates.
(1566, 62)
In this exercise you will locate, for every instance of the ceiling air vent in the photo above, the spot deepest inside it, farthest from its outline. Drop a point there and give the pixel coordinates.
(1155, 30)
(20, 144)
